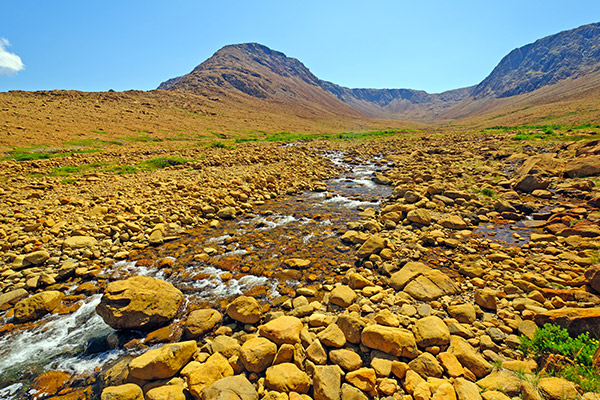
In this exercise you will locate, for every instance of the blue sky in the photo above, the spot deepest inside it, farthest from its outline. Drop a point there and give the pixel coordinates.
(432, 45)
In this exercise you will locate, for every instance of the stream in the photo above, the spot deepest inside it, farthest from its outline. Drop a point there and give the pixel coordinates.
(210, 265)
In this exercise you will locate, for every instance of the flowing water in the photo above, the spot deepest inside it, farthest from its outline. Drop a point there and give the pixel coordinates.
(210, 265)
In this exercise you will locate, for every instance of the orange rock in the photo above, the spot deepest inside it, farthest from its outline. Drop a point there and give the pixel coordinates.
(49, 383)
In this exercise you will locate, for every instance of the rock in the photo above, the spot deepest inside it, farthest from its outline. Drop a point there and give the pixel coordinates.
(426, 365)
(37, 306)
(128, 391)
(431, 331)
(9, 299)
(226, 213)
(450, 364)
(231, 388)
(486, 298)
(139, 302)
(286, 377)
(373, 245)
(327, 383)
(357, 281)
(200, 322)
(332, 336)
(396, 341)
(200, 376)
(257, 354)
(36, 258)
(575, 320)
(430, 286)
(453, 222)
(345, 358)
(298, 263)
(342, 296)
(529, 183)
(245, 310)
(282, 330)
(527, 328)
(545, 163)
(48, 384)
(557, 388)
(494, 395)
(583, 166)
(419, 216)
(351, 326)
(157, 237)
(170, 392)
(363, 379)
(468, 357)
(79, 242)
(529, 392)
(163, 362)
(464, 313)
(225, 345)
(444, 392)
(466, 390)
(504, 381)
(591, 274)
(349, 392)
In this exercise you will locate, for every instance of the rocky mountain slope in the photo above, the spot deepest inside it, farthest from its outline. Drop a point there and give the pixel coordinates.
(262, 73)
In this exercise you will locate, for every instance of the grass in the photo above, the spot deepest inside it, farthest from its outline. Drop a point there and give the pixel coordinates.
(161, 162)
(548, 132)
(552, 339)
(42, 153)
(68, 170)
(487, 192)
(293, 137)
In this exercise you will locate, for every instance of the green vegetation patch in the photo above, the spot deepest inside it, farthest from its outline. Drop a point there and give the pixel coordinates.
(42, 153)
(68, 170)
(554, 340)
(162, 162)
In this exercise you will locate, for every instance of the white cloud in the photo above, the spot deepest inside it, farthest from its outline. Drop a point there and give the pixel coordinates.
(10, 63)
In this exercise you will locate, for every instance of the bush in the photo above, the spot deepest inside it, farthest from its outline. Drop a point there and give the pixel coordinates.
(552, 339)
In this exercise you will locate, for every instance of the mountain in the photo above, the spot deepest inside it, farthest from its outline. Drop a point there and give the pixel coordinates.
(257, 71)
(521, 78)
(569, 54)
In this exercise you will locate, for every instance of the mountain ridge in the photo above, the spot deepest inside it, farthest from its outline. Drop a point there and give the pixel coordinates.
(260, 72)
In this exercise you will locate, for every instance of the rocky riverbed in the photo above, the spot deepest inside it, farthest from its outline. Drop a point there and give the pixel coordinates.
(420, 292)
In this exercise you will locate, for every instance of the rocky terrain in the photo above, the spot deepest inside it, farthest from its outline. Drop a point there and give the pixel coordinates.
(482, 240)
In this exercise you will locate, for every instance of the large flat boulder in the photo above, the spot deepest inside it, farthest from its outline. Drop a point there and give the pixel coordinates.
(574, 320)
(396, 341)
(140, 303)
(37, 306)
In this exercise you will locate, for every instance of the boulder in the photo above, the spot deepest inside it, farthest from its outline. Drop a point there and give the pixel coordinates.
(453, 222)
(231, 388)
(226, 213)
(297, 263)
(529, 183)
(139, 302)
(373, 245)
(346, 358)
(486, 298)
(286, 377)
(257, 354)
(591, 274)
(37, 306)
(464, 313)
(411, 270)
(419, 216)
(170, 392)
(327, 383)
(575, 320)
(469, 357)
(79, 242)
(332, 336)
(245, 309)
(163, 362)
(128, 391)
(342, 296)
(9, 299)
(466, 390)
(583, 166)
(200, 322)
(282, 330)
(352, 327)
(431, 331)
(558, 388)
(363, 379)
(504, 381)
(427, 366)
(396, 341)
(200, 376)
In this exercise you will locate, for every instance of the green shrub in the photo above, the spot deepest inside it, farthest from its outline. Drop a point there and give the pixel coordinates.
(162, 162)
(487, 192)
